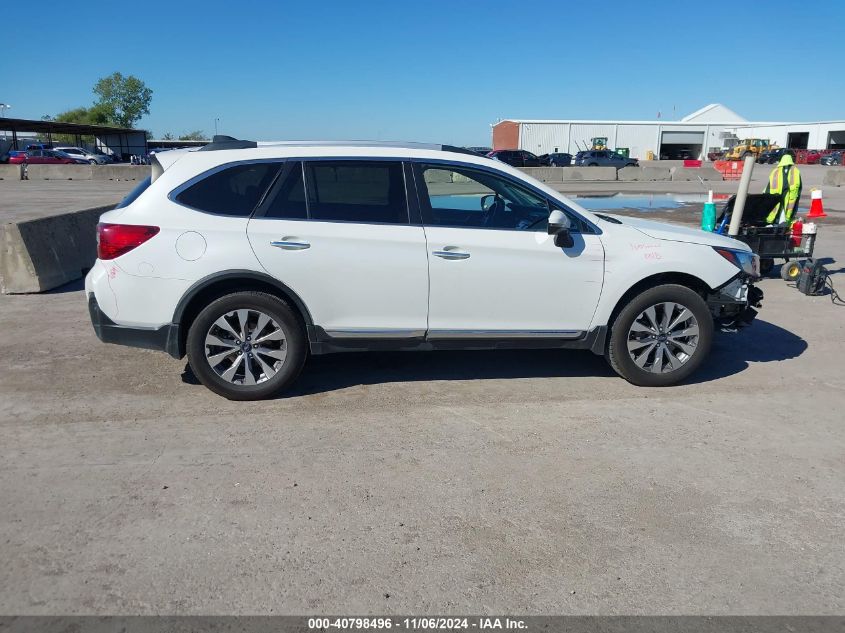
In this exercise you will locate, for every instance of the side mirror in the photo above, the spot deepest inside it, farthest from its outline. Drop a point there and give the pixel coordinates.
(559, 226)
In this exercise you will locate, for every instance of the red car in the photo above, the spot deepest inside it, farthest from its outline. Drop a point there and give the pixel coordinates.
(813, 157)
(44, 157)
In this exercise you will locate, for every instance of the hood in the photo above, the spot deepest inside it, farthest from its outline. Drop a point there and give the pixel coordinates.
(676, 233)
(786, 160)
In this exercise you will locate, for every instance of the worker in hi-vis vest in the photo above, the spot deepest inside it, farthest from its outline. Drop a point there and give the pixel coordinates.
(785, 181)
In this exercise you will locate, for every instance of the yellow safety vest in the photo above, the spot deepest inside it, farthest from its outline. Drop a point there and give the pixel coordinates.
(789, 198)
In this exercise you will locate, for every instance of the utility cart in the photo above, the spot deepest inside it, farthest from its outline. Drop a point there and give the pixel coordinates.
(769, 242)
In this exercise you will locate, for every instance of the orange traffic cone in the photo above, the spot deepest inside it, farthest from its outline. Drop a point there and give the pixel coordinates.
(816, 209)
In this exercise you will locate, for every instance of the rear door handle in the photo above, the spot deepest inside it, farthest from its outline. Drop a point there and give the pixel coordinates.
(449, 252)
(291, 244)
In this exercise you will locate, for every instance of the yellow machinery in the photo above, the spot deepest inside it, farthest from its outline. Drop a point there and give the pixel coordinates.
(599, 142)
(749, 147)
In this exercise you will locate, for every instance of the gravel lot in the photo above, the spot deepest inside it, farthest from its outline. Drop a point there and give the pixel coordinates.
(519, 482)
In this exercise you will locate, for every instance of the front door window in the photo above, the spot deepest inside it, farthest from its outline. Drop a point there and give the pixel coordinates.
(467, 198)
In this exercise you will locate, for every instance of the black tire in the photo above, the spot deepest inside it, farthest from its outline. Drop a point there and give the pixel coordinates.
(592, 165)
(92, 161)
(766, 266)
(790, 270)
(620, 358)
(295, 345)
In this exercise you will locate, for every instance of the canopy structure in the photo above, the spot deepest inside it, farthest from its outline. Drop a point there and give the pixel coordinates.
(115, 140)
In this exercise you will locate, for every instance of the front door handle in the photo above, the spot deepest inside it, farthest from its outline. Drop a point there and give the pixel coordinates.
(290, 244)
(449, 252)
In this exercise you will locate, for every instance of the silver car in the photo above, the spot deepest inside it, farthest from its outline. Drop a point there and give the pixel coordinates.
(91, 157)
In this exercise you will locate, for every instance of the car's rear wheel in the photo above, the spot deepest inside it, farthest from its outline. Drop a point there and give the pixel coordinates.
(246, 346)
(661, 336)
(92, 161)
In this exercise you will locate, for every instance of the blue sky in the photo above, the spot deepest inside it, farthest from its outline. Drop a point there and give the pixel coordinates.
(426, 71)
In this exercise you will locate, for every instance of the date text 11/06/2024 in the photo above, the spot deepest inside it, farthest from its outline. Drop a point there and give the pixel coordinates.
(416, 624)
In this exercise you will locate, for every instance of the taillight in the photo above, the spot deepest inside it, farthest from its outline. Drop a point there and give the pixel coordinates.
(114, 240)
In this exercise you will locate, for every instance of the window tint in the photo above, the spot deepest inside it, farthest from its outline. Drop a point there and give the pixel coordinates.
(357, 191)
(288, 197)
(232, 191)
(468, 198)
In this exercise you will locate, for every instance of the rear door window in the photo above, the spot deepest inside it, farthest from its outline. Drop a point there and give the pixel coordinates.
(357, 191)
(287, 199)
(234, 190)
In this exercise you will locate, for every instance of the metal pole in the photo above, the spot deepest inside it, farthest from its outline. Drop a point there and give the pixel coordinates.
(741, 195)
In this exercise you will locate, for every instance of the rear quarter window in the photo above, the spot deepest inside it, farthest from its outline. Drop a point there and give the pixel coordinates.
(140, 188)
(234, 191)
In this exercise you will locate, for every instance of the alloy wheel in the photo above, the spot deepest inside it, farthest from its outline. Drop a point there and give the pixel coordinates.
(663, 337)
(245, 347)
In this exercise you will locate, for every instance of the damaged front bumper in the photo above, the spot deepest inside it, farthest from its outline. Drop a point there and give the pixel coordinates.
(734, 305)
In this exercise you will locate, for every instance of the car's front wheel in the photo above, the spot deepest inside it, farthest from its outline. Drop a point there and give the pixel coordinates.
(246, 346)
(661, 336)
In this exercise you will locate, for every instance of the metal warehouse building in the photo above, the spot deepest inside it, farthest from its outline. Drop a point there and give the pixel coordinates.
(711, 128)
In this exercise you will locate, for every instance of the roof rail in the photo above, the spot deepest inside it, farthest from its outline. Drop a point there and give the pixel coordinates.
(353, 143)
(226, 142)
(220, 142)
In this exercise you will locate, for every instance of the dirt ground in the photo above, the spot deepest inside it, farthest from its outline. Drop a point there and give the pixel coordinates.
(520, 482)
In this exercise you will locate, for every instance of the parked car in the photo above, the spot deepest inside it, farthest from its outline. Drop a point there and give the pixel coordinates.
(812, 157)
(481, 151)
(773, 156)
(248, 260)
(715, 155)
(764, 158)
(516, 157)
(556, 159)
(45, 157)
(834, 158)
(603, 158)
(94, 158)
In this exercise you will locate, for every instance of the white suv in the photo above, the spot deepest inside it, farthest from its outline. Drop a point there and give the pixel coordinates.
(247, 257)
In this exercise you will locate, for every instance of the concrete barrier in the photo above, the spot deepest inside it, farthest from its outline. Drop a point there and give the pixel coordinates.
(568, 174)
(644, 174)
(588, 173)
(59, 172)
(87, 172)
(834, 177)
(45, 253)
(10, 172)
(120, 172)
(705, 173)
(545, 174)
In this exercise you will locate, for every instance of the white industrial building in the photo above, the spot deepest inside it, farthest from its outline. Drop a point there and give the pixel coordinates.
(711, 128)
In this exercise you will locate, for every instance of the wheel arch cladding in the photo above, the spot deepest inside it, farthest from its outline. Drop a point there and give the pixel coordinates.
(659, 279)
(218, 285)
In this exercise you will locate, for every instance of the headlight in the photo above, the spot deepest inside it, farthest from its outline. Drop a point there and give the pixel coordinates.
(746, 261)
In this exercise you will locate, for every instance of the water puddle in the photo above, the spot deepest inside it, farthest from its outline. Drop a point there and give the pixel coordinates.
(644, 202)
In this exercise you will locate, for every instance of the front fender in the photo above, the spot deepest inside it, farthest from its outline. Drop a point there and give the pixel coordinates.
(640, 257)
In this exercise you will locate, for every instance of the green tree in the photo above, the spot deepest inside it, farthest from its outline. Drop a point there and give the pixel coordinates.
(196, 135)
(124, 99)
(95, 115)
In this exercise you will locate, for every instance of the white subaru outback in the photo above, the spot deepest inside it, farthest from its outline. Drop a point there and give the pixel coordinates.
(249, 257)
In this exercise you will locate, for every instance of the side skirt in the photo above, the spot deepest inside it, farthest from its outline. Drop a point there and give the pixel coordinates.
(322, 343)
